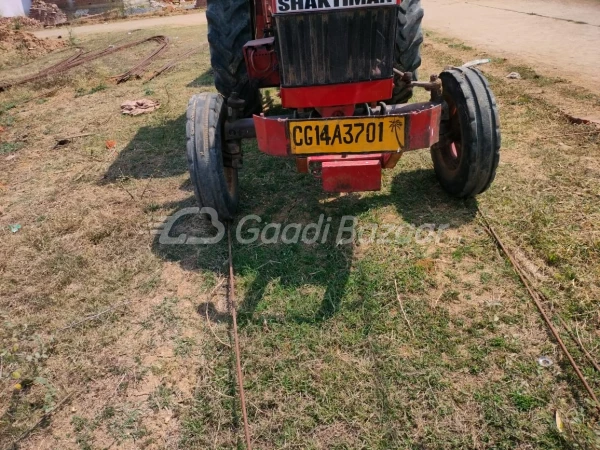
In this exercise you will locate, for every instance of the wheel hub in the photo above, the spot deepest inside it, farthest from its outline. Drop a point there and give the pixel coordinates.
(451, 138)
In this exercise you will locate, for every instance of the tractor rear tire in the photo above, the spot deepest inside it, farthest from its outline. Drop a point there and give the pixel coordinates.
(467, 156)
(215, 185)
(407, 50)
(229, 29)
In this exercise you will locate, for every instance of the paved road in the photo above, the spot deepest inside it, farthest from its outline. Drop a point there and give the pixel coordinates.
(192, 19)
(557, 37)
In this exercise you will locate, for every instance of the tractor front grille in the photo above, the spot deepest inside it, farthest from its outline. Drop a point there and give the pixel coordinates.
(332, 47)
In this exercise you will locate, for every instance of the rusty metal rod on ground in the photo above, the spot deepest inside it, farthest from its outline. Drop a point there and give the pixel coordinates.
(175, 61)
(536, 298)
(138, 70)
(580, 345)
(85, 57)
(238, 358)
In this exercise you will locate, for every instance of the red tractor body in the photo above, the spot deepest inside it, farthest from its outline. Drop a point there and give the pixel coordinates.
(344, 70)
(331, 55)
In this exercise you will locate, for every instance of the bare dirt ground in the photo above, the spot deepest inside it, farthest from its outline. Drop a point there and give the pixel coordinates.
(557, 37)
(194, 19)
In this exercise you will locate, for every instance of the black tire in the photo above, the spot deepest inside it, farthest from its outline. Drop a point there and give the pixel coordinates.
(229, 29)
(467, 156)
(215, 185)
(407, 51)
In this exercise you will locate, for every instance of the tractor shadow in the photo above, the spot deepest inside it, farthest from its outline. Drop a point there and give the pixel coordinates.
(156, 151)
(207, 79)
(312, 277)
(273, 190)
(293, 267)
(304, 286)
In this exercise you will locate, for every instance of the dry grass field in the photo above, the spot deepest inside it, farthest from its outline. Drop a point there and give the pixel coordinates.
(135, 334)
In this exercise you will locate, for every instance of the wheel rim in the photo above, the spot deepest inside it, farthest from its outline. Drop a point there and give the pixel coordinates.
(451, 149)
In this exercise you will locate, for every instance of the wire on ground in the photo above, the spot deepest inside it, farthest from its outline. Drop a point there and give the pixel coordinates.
(236, 341)
(538, 303)
(174, 62)
(86, 57)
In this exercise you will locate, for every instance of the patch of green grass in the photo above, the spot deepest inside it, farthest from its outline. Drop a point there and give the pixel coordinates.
(10, 147)
(73, 40)
(83, 429)
(581, 94)
(525, 402)
(126, 425)
(450, 296)
(485, 277)
(7, 106)
(161, 398)
(79, 423)
(80, 92)
(164, 314)
(151, 207)
(528, 73)
(108, 413)
(184, 346)
(460, 46)
(463, 251)
(6, 119)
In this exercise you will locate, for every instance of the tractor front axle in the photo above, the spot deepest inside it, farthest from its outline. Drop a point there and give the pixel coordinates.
(350, 151)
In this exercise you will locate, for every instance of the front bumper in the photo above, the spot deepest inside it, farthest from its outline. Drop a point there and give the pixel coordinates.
(422, 124)
(357, 171)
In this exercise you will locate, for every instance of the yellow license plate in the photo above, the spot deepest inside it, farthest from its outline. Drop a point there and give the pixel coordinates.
(348, 135)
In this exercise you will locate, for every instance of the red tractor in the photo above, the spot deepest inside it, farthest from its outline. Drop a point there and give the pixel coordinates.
(345, 70)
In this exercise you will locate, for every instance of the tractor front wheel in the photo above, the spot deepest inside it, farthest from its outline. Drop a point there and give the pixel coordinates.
(215, 185)
(466, 157)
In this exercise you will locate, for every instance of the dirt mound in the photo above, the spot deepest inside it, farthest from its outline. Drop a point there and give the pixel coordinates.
(16, 23)
(21, 41)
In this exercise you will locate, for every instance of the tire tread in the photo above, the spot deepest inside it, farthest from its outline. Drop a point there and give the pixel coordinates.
(204, 155)
(229, 29)
(407, 48)
(480, 116)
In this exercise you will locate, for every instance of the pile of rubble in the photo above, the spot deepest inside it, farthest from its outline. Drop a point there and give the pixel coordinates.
(47, 13)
